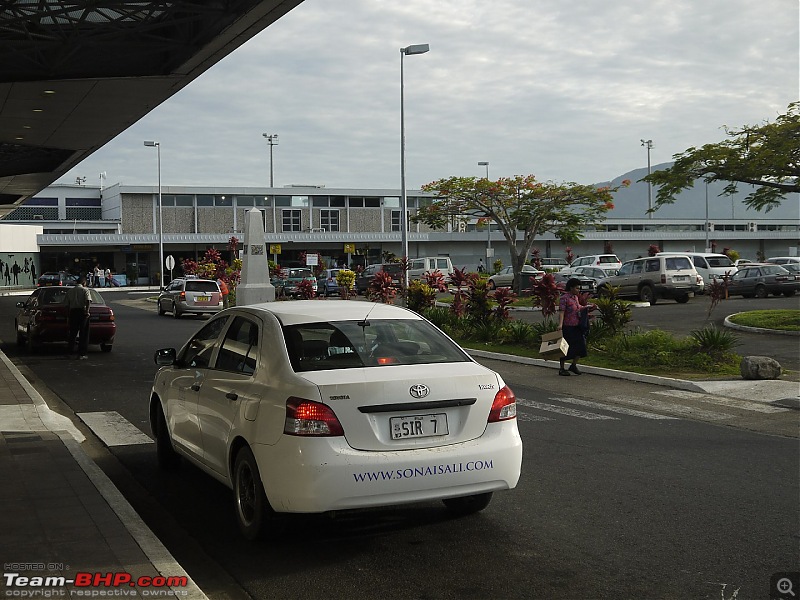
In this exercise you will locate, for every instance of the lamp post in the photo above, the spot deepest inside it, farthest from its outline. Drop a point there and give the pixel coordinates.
(408, 50)
(488, 222)
(272, 138)
(649, 145)
(157, 146)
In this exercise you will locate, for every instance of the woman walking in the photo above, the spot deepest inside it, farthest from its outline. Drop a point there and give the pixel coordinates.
(569, 322)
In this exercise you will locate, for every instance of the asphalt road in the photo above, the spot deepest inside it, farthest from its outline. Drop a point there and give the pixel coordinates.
(612, 502)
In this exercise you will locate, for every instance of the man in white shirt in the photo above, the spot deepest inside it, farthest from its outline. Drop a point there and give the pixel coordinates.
(78, 299)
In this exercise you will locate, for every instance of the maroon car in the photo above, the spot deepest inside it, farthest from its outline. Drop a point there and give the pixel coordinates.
(43, 318)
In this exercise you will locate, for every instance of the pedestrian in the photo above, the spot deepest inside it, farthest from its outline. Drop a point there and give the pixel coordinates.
(223, 287)
(481, 268)
(79, 299)
(96, 282)
(108, 277)
(571, 312)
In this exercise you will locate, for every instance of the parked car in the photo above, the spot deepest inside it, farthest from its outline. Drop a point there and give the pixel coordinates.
(587, 284)
(189, 295)
(760, 280)
(310, 407)
(327, 284)
(709, 265)
(419, 267)
(793, 268)
(44, 318)
(365, 277)
(287, 284)
(56, 279)
(650, 279)
(783, 260)
(505, 278)
(596, 273)
(552, 264)
(604, 261)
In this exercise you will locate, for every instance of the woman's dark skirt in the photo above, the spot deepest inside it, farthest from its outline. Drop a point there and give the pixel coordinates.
(576, 340)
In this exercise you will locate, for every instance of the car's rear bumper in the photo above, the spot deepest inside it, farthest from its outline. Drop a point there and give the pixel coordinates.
(99, 333)
(324, 474)
(676, 291)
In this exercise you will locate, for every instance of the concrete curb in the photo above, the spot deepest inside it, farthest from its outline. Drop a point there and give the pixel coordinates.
(732, 325)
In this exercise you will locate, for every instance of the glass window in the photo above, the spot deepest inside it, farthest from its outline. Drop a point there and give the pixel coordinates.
(239, 349)
(82, 201)
(283, 200)
(197, 352)
(720, 261)
(245, 201)
(319, 201)
(301, 201)
(205, 200)
(348, 345)
(357, 202)
(391, 202)
(41, 202)
(291, 220)
(678, 263)
(625, 269)
(223, 200)
(167, 200)
(329, 220)
(338, 201)
(372, 202)
(263, 201)
(395, 220)
(637, 267)
(652, 265)
(184, 200)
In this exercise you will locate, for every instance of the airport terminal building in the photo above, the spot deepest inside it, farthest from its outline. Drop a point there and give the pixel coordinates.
(74, 227)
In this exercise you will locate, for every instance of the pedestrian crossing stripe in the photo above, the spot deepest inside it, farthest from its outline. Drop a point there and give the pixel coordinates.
(677, 409)
(563, 410)
(722, 401)
(114, 429)
(616, 409)
(521, 416)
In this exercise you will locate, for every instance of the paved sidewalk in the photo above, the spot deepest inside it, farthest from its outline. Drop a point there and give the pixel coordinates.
(62, 519)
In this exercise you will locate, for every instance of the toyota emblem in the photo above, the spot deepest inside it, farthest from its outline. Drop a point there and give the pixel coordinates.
(419, 390)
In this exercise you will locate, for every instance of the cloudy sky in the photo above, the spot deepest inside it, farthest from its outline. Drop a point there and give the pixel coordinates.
(564, 90)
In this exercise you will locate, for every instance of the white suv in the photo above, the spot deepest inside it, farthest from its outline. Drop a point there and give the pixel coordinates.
(648, 279)
(607, 262)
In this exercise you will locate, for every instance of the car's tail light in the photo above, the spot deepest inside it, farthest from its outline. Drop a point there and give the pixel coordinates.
(504, 406)
(663, 278)
(306, 417)
(183, 296)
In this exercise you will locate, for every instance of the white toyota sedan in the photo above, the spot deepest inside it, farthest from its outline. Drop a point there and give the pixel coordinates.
(309, 407)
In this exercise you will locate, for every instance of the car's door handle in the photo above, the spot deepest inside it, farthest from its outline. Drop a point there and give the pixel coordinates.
(196, 387)
(232, 396)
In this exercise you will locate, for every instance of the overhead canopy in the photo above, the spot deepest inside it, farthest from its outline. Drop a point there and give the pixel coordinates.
(73, 75)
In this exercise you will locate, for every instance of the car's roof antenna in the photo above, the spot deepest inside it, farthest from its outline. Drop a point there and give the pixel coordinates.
(365, 322)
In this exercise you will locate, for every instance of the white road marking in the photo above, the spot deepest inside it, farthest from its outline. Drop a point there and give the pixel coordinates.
(678, 409)
(521, 416)
(114, 429)
(617, 409)
(562, 410)
(722, 401)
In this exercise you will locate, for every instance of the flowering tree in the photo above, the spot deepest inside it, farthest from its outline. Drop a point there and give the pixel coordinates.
(519, 204)
(653, 250)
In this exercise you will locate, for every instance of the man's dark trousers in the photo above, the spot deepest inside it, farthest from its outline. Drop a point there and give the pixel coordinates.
(78, 326)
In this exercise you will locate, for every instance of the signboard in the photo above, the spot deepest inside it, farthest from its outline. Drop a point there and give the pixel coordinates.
(350, 248)
(274, 248)
(170, 262)
(312, 260)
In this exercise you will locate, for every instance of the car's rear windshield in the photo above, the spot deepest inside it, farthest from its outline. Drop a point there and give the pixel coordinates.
(375, 343)
(677, 263)
(392, 269)
(300, 273)
(608, 259)
(719, 261)
(201, 286)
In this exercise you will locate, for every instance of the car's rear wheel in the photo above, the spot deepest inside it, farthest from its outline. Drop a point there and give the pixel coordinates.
(467, 505)
(761, 291)
(105, 347)
(253, 512)
(788, 293)
(682, 299)
(646, 294)
(167, 457)
(175, 312)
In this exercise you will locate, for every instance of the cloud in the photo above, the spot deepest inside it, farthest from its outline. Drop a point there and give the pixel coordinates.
(564, 90)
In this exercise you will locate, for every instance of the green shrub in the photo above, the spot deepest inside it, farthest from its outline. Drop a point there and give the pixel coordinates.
(420, 296)
(520, 333)
(714, 341)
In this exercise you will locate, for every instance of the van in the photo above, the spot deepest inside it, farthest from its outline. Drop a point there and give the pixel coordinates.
(709, 265)
(419, 267)
(671, 276)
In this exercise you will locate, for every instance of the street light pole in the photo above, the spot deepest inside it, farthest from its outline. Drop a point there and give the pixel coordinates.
(409, 50)
(488, 222)
(272, 138)
(160, 216)
(649, 145)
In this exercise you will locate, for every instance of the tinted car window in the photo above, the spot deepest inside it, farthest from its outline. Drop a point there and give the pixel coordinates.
(677, 263)
(720, 261)
(652, 265)
(239, 348)
(348, 345)
(197, 353)
(626, 269)
(201, 286)
(608, 259)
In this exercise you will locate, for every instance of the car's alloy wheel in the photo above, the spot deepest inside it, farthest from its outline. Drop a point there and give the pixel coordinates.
(253, 511)
(646, 294)
(167, 457)
(467, 505)
(761, 291)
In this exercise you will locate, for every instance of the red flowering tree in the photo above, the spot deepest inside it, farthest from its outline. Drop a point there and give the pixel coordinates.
(519, 204)
(653, 250)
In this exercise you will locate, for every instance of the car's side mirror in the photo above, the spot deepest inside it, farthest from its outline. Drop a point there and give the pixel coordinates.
(165, 357)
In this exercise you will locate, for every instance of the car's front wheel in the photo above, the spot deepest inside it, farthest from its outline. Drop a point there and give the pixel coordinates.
(253, 512)
(467, 505)
(161, 310)
(761, 291)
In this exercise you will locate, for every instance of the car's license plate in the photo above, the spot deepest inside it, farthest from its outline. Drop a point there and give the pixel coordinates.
(203, 298)
(681, 278)
(417, 426)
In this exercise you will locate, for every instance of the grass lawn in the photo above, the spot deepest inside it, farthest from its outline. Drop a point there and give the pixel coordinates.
(782, 320)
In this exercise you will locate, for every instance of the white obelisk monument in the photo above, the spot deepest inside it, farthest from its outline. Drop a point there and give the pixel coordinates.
(254, 286)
